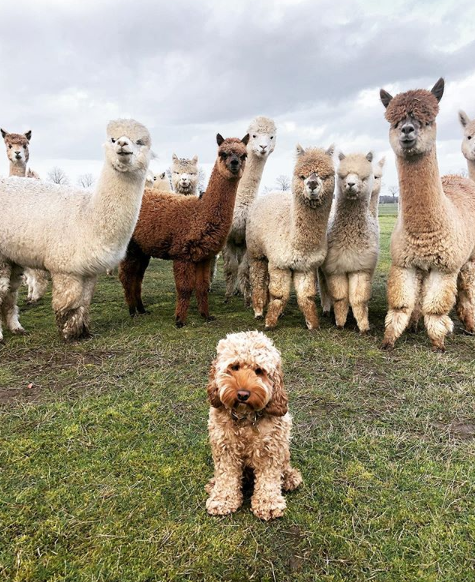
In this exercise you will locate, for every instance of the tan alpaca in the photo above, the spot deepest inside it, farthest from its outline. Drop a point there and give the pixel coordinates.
(286, 238)
(433, 243)
(468, 143)
(378, 175)
(18, 153)
(353, 240)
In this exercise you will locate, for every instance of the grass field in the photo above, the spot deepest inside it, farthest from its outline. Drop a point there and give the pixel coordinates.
(104, 452)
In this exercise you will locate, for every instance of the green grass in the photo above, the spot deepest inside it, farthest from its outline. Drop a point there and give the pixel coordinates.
(103, 459)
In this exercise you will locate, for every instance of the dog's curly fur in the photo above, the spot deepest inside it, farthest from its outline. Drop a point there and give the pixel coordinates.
(249, 426)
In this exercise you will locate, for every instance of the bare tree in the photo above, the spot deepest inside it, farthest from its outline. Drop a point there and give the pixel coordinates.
(393, 190)
(58, 176)
(86, 180)
(283, 182)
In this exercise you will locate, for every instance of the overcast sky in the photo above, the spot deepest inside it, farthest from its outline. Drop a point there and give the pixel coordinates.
(191, 68)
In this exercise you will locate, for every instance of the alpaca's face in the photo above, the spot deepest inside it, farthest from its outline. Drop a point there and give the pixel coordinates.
(314, 175)
(244, 387)
(128, 146)
(409, 136)
(185, 175)
(355, 176)
(17, 146)
(468, 143)
(261, 142)
(232, 154)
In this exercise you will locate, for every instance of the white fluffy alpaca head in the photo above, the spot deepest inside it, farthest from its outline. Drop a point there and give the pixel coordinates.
(468, 143)
(355, 176)
(185, 175)
(17, 146)
(262, 137)
(128, 146)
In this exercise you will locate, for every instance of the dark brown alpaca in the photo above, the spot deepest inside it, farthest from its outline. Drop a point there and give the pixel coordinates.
(187, 230)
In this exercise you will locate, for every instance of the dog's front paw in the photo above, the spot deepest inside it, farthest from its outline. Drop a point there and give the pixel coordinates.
(210, 485)
(267, 509)
(218, 505)
(291, 479)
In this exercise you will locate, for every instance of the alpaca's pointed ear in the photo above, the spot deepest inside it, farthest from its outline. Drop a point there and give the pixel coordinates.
(369, 156)
(341, 156)
(194, 160)
(212, 388)
(331, 150)
(463, 118)
(219, 139)
(299, 150)
(28, 135)
(278, 404)
(385, 97)
(174, 158)
(4, 133)
(382, 161)
(438, 89)
(245, 139)
(162, 176)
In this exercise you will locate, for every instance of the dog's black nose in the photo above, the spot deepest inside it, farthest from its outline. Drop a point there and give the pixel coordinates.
(243, 395)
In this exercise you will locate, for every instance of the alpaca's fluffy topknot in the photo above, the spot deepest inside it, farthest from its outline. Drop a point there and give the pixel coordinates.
(315, 160)
(422, 104)
(262, 124)
(129, 127)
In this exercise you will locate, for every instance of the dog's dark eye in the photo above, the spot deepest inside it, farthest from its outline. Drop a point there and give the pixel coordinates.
(235, 367)
(259, 371)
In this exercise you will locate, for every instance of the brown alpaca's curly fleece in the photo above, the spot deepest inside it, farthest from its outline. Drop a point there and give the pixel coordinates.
(188, 230)
(249, 426)
(419, 103)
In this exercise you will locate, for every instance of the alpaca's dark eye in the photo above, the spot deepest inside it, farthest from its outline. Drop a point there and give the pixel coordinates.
(112, 140)
(243, 157)
(302, 177)
(235, 367)
(223, 156)
(139, 142)
(254, 136)
(10, 146)
(468, 137)
(259, 371)
(272, 137)
(24, 147)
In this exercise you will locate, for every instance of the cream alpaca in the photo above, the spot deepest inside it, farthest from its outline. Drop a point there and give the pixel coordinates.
(286, 237)
(433, 243)
(18, 153)
(353, 239)
(262, 140)
(81, 234)
(185, 175)
(378, 174)
(468, 143)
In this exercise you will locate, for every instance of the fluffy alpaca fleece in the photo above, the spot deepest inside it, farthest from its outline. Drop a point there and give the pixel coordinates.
(79, 235)
(433, 244)
(186, 229)
(18, 153)
(286, 238)
(468, 143)
(262, 140)
(377, 175)
(185, 175)
(353, 242)
(249, 426)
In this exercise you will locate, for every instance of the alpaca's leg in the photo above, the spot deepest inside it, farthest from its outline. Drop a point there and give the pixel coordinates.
(325, 298)
(338, 288)
(202, 288)
(417, 311)
(185, 277)
(10, 280)
(280, 281)
(438, 297)
(37, 281)
(402, 297)
(225, 494)
(213, 270)
(71, 294)
(243, 279)
(267, 501)
(259, 277)
(131, 273)
(360, 294)
(305, 287)
(466, 296)
(230, 269)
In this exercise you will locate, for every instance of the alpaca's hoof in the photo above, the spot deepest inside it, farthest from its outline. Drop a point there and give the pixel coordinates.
(340, 327)
(438, 349)
(364, 331)
(19, 331)
(269, 327)
(259, 316)
(210, 318)
(387, 345)
(469, 331)
(179, 324)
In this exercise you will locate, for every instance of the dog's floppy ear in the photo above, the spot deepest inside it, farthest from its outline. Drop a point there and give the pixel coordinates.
(213, 392)
(278, 404)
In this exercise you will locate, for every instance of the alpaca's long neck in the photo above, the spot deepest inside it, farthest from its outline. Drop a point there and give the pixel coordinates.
(218, 201)
(18, 168)
(471, 169)
(421, 197)
(309, 224)
(249, 184)
(115, 205)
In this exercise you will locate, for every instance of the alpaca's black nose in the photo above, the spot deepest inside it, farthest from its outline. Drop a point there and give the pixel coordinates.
(350, 184)
(312, 185)
(234, 162)
(122, 142)
(407, 128)
(243, 395)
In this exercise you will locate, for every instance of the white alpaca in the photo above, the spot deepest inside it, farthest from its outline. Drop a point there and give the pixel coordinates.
(286, 238)
(262, 140)
(78, 235)
(353, 241)
(185, 175)
(18, 153)
(378, 175)
(161, 182)
(468, 143)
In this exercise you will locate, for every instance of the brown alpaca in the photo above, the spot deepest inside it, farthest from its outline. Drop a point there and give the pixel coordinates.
(433, 243)
(189, 231)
